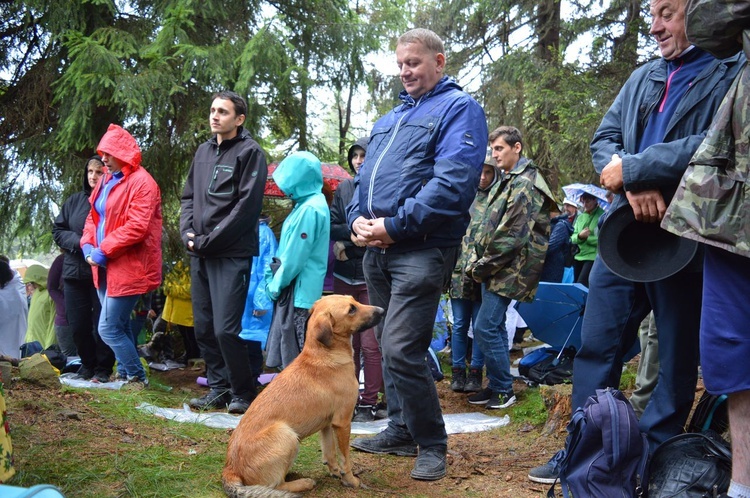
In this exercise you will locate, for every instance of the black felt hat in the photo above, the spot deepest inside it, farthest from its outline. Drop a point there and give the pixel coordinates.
(641, 252)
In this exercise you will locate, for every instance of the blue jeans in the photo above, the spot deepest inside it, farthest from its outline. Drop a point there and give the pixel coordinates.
(465, 313)
(615, 308)
(408, 286)
(489, 332)
(114, 329)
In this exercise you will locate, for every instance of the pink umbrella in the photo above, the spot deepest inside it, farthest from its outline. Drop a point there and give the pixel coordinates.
(333, 174)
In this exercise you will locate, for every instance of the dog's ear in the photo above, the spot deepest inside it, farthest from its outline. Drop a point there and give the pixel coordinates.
(324, 333)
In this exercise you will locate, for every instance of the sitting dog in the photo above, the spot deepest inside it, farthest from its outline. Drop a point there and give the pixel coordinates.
(315, 393)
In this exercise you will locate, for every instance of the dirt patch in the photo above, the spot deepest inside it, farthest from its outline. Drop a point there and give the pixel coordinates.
(488, 464)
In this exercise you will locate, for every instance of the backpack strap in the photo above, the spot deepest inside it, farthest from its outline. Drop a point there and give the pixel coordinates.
(576, 428)
(710, 417)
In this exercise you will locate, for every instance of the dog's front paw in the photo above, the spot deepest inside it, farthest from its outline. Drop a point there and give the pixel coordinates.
(350, 480)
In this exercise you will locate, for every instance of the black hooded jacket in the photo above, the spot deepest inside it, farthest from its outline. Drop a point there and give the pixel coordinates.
(352, 268)
(68, 228)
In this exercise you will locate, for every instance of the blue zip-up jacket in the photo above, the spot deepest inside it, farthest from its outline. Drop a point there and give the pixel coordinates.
(661, 165)
(422, 168)
(303, 245)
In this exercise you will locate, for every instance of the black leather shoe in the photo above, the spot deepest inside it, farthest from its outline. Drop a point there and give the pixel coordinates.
(430, 464)
(385, 444)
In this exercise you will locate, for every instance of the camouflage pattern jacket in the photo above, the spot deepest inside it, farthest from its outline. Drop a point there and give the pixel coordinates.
(712, 202)
(462, 285)
(510, 248)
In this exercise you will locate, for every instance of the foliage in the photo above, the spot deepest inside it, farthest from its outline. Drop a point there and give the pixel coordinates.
(68, 69)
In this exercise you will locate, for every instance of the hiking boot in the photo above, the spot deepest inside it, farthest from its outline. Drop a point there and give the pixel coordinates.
(238, 405)
(549, 472)
(381, 411)
(481, 397)
(385, 444)
(458, 380)
(364, 413)
(501, 400)
(473, 381)
(212, 400)
(430, 464)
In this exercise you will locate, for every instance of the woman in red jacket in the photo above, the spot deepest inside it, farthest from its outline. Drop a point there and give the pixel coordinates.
(122, 243)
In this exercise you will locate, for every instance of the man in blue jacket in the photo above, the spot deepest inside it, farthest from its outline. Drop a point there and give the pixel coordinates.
(641, 151)
(411, 208)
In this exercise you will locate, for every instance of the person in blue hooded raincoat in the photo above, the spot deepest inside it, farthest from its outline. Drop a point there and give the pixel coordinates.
(303, 247)
(256, 319)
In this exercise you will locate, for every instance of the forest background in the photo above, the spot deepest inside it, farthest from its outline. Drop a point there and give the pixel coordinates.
(311, 70)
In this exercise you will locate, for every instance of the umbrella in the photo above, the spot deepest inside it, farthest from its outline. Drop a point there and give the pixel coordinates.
(574, 191)
(556, 313)
(333, 174)
(555, 316)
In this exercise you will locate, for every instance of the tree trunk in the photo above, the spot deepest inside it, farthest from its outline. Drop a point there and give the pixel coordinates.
(557, 401)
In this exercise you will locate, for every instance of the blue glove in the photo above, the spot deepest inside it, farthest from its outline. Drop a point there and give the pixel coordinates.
(98, 256)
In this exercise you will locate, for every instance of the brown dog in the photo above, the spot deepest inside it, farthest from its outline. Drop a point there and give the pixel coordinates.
(316, 392)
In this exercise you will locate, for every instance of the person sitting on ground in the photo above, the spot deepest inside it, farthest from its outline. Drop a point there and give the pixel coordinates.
(41, 321)
(13, 309)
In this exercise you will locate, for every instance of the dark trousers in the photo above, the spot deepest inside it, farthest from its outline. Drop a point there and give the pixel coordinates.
(408, 287)
(219, 290)
(615, 308)
(365, 345)
(82, 308)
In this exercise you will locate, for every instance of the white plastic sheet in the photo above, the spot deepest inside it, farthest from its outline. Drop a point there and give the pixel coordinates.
(455, 423)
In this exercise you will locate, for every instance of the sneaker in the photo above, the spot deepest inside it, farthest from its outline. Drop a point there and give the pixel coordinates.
(211, 400)
(135, 384)
(501, 400)
(430, 465)
(481, 397)
(364, 413)
(101, 378)
(385, 444)
(381, 411)
(238, 405)
(549, 472)
(117, 376)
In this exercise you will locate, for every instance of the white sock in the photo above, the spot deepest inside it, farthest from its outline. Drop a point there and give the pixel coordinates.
(737, 490)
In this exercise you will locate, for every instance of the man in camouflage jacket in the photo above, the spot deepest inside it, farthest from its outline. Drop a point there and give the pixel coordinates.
(712, 205)
(508, 257)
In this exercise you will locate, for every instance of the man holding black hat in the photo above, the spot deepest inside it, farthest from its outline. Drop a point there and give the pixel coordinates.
(641, 150)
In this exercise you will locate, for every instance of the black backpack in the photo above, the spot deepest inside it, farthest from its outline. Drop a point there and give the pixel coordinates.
(550, 368)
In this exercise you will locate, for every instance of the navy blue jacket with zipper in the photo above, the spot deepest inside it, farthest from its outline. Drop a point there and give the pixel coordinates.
(422, 168)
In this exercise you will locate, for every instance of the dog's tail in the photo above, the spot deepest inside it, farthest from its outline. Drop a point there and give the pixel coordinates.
(237, 490)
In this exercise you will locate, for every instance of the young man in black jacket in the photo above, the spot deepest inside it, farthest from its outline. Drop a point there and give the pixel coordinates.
(221, 203)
